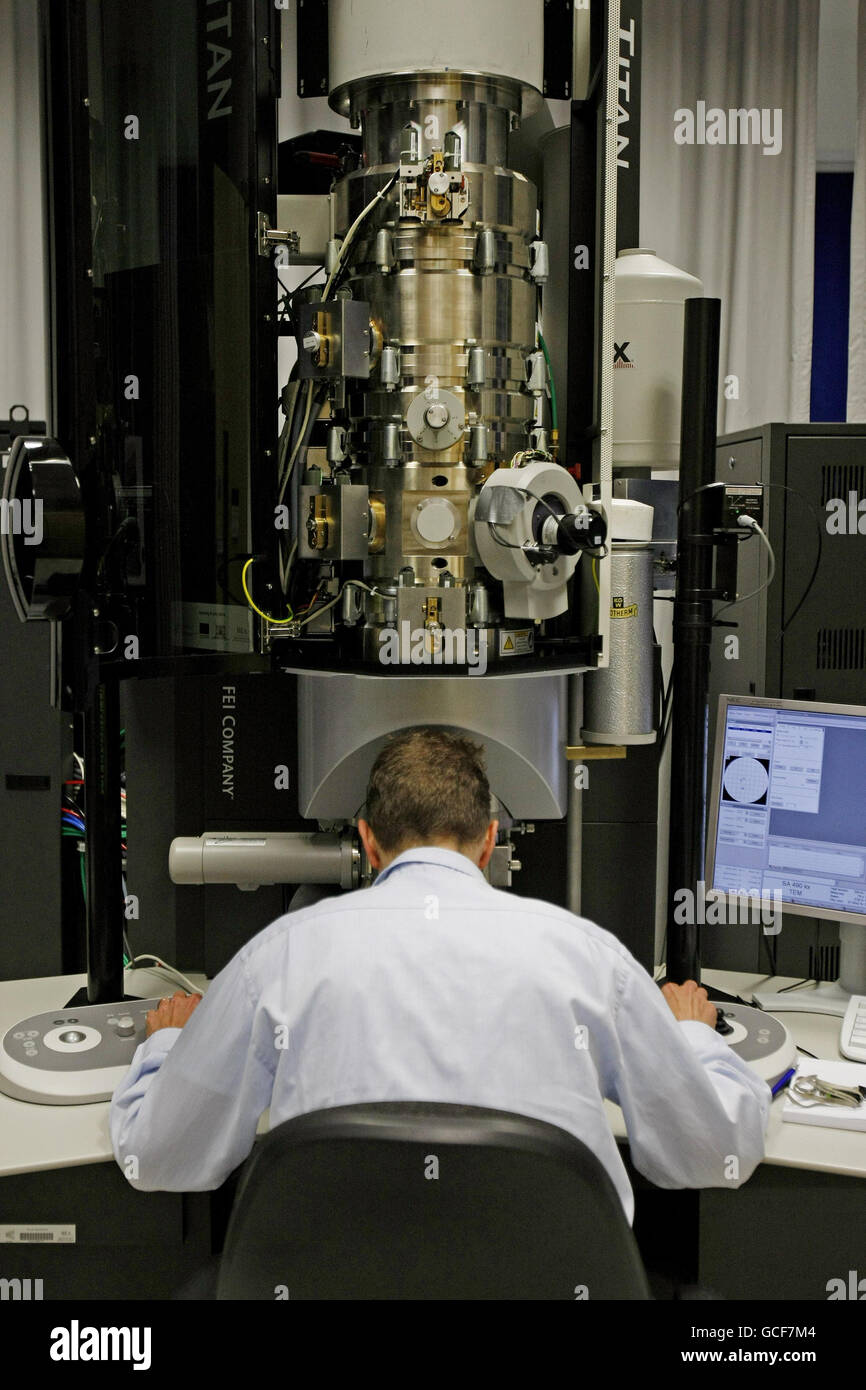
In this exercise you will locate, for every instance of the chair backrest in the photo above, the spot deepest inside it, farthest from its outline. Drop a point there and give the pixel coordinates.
(418, 1200)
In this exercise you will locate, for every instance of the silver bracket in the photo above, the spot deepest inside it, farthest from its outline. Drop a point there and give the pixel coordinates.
(269, 236)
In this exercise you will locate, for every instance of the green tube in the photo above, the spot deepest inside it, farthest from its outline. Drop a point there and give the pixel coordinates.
(554, 414)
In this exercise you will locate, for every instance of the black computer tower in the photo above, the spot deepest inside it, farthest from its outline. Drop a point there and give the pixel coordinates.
(804, 636)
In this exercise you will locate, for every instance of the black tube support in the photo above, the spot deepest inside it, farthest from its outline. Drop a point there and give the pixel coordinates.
(692, 631)
(102, 811)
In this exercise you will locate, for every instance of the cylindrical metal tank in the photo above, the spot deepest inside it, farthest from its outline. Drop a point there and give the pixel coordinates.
(648, 361)
(501, 37)
(447, 269)
(619, 704)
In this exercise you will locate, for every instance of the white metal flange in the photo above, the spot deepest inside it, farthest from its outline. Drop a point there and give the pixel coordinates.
(530, 590)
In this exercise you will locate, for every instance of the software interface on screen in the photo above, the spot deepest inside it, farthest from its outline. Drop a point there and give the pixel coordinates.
(792, 807)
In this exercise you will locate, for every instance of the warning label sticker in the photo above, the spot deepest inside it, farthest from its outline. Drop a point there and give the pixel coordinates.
(516, 641)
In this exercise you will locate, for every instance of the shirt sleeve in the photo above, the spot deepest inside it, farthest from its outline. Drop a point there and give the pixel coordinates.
(186, 1113)
(695, 1112)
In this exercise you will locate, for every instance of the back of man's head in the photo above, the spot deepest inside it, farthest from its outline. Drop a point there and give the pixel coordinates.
(428, 787)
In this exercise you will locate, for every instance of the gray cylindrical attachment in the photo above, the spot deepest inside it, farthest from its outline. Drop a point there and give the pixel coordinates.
(453, 151)
(539, 261)
(249, 860)
(478, 449)
(384, 252)
(336, 444)
(479, 605)
(485, 251)
(389, 367)
(410, 143)
(476, 368)
(619, 701)
(536, 373)
(391, 448)
(353, 604)
(332, 254)
(852, 958)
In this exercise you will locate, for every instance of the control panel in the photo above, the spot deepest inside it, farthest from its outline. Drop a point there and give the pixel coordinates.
(73, 1056)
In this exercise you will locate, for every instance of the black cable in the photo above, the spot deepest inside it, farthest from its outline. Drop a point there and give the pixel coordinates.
(771, 951)
(303, 285)
(507, 545)
(783, 487)
(705, 487)
(816, 566)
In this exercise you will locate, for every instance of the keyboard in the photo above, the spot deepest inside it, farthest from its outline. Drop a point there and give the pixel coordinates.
(852, 1039)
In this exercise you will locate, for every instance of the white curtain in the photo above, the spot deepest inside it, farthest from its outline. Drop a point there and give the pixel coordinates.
(740, 219)
(23, 365)
(857, 318)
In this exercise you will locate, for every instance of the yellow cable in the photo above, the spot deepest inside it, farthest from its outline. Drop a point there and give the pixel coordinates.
(278, 622)
(595, 575)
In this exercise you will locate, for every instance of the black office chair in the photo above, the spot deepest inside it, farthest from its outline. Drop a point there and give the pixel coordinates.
(417, 1200)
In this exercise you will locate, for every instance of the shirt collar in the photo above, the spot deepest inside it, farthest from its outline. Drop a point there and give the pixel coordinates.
(432, 854)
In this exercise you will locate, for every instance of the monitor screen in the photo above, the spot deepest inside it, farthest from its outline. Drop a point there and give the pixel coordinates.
(788, 805)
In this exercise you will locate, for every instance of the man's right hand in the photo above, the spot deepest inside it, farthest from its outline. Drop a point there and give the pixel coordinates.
(689, 1001)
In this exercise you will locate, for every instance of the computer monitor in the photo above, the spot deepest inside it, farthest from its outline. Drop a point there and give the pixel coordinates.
(787, 825)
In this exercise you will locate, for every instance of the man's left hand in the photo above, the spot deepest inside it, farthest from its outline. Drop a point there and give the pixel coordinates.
(172, 1013)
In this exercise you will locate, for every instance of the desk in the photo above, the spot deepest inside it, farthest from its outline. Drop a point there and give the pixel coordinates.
(800, 1220)
(797, 1223)
(57, 1167)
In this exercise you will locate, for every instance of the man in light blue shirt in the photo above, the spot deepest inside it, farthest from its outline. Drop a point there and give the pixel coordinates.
(431, 985)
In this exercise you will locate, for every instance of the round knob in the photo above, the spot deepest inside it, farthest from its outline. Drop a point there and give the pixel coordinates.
(312, 342)
(437, 415)
(125, 1027)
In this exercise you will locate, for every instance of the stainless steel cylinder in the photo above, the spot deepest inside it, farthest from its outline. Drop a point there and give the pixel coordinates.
(618, 702)
(453, 309)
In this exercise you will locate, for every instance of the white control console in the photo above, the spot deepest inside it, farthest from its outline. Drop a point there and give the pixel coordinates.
(759, 1039)
(72, 1056)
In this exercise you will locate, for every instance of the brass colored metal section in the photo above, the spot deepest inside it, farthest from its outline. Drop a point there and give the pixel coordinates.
(600, 751)
(377, 524)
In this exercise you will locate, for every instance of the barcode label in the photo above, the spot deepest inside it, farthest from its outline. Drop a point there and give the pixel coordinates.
(37, 1235)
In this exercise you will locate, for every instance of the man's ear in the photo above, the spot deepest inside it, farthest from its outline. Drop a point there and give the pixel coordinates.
(371, 847)
(488, 845)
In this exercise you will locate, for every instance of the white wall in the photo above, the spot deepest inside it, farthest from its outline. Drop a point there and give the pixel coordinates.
(23, 359)
(837, 84)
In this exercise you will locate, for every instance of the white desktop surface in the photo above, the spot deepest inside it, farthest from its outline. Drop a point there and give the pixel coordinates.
(40, 1137)
(35, 1137)
(824, 1150)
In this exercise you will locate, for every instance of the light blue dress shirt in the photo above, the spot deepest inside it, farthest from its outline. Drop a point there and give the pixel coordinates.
(431, 985)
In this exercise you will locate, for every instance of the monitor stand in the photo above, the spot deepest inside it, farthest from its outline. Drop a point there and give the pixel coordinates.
(827, 998)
